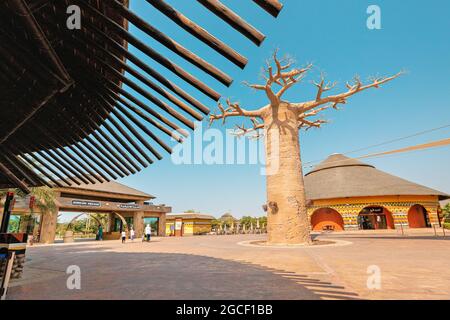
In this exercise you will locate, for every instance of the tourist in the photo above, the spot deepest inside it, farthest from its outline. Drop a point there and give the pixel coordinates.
(124, 236)
(148, 232)
(132, 233)
(100, 233)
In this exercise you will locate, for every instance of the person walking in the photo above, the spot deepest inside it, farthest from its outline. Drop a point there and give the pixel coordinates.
(148, 232)
(100, 233)
(124, 236)
(132, 234)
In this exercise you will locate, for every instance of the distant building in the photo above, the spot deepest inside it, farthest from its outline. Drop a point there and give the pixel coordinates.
(346, 194)
(188, 224)
(228, 218)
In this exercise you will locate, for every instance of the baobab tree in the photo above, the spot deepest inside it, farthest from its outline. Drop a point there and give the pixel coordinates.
(281, 120)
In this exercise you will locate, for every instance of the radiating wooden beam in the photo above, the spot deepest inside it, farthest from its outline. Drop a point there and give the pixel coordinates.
(131, 39)
(171, 44)
(90, 46)
(234, 20)
(271, 6)
(200, 33)
(13, 178)
(25, 172)
(120, 50)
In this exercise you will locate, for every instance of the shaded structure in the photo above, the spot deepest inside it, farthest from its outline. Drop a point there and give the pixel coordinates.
(347, 194)
(188, 224)
(67, 119)
(126, 207)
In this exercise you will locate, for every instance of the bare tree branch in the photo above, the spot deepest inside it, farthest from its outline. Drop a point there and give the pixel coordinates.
(244, 131)
(283, 77)
(233, 110)
(353, 88)
(311, 124)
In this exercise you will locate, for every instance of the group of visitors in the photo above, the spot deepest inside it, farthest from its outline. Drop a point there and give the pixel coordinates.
(145, 237)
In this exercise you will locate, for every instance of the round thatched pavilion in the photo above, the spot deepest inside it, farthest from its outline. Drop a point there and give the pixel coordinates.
(346, 194)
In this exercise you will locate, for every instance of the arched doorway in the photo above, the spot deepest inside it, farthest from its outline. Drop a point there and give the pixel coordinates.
(326, 219)
(375, 218)
(418, 217)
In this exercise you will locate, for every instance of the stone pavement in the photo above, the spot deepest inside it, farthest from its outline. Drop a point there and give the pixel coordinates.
(217, 267)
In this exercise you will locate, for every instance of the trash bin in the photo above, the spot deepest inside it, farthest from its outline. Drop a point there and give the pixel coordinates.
(68, 237)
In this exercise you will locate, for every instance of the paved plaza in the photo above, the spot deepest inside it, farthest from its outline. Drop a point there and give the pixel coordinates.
(413, 266)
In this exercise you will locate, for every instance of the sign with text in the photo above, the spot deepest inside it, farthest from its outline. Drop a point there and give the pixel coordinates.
(129, 206)
(84, 203)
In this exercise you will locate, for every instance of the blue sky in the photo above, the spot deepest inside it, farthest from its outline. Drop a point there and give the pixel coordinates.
(333, 35)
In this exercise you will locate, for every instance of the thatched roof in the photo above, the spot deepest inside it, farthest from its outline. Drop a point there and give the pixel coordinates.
(108, 187)
(342, 177)
(65, 116)
(187, 216)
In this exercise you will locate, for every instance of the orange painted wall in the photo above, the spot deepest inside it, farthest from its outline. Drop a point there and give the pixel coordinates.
(389, 219)
(416, 218)
(327, 217)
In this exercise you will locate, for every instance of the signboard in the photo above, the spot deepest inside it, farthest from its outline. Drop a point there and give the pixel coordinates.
(178, 224)
(129, 206)
(84, 203)
(376, 210)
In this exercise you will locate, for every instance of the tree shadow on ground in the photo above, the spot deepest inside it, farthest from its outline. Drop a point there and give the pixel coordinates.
(112, 275)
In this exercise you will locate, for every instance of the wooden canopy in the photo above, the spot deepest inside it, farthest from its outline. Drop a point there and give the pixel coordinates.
(65, 117)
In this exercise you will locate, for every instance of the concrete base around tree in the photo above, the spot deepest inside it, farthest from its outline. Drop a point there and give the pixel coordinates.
(411, 266)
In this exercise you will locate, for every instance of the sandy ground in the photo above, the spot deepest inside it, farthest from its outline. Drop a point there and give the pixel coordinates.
(411, 266)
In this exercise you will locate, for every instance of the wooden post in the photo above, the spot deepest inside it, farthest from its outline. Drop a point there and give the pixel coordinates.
(7, 275)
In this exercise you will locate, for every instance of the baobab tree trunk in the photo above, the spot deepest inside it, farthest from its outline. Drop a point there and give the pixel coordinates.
(288, 221)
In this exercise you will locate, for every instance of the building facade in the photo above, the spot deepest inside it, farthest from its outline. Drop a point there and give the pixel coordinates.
(346, 194)
(188, 224)
(127, 208)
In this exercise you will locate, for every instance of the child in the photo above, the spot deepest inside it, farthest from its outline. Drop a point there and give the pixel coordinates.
(124, 236)
(132, 234)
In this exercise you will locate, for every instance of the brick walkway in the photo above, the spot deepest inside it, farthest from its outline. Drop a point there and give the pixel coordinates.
(216, 267)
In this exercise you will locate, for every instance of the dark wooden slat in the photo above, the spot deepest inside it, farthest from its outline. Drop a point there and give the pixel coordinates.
(120, 31)
(273, 7)
(171, 44)
(120, 50)
(200, 33)
(119, 66)
(13, 178)
(49, 168)
(110, 160)
(234, 20)
(27, 174)
(142, 115)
